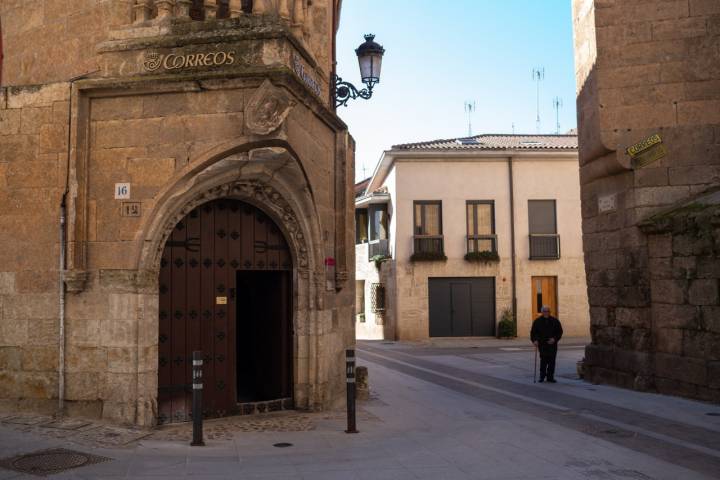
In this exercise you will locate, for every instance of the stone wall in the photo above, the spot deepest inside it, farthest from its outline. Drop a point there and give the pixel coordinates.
(642, 68)
(48, 41)
(533, 177)
(684, 264)
(411, 284)
(33, 160)
(254, 130)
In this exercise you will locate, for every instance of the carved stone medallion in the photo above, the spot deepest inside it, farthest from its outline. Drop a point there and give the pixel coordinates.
(267, 109)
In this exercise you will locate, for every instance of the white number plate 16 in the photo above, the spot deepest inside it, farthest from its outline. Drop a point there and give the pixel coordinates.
(122, 191)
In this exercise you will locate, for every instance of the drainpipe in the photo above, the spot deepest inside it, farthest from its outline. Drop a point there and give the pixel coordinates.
(335, 20)
(512, 237)
(61, 340)
(61, 266)
(63, 247)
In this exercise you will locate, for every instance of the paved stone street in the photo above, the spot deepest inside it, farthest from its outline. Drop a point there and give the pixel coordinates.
(462, 409)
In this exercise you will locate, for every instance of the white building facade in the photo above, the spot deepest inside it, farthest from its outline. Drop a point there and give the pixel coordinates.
(454, 235)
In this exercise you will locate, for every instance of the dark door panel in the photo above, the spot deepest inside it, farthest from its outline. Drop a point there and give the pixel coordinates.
(439, 308)
(198, 302)
(461, 307)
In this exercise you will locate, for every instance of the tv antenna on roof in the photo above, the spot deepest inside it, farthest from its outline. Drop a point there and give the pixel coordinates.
(470, 109)
(538, 75)
(557, 105)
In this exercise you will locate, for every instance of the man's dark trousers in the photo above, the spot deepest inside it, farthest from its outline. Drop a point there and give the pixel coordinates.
(547, 361)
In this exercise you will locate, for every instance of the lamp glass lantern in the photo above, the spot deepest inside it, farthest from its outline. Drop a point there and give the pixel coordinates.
(370, 59)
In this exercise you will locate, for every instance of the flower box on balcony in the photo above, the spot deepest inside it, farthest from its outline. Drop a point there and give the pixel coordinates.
(484, 256)
(428, 257)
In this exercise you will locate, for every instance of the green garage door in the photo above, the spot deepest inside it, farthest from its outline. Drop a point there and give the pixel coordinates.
(462, 307)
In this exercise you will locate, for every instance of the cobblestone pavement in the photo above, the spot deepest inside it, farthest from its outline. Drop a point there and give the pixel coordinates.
(444, 410)
(92, 433)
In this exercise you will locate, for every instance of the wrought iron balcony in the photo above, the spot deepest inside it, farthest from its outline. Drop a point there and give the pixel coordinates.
(481, 243)
(428, 244)
(545, 246)
(378, 247)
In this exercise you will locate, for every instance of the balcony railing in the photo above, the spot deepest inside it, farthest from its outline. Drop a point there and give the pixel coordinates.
(428, 244)
(378, 247)
(481, 243)
(544, 246)
(293, 10)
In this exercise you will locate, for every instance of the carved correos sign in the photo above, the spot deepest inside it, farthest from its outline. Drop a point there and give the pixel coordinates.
(173, 61)
(305, 75)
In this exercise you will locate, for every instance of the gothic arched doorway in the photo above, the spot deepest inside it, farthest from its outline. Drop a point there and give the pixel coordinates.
(225, 289)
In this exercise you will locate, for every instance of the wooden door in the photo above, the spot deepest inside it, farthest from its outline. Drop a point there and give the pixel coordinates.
(544, 292)
(198, 301)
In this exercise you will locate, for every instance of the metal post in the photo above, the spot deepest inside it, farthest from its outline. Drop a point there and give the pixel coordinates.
(350, 372)
(197, 388)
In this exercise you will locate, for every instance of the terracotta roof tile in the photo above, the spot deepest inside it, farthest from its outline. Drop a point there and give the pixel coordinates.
(361, 186)
(497, 142)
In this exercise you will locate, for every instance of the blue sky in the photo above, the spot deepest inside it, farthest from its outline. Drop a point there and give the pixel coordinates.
(440, 54)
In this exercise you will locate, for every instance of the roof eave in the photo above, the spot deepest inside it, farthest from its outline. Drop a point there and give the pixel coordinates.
(388, 158)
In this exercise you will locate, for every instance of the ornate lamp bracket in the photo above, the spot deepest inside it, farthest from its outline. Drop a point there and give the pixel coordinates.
(345, 91)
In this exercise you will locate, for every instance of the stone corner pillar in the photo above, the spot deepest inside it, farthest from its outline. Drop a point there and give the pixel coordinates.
(165, 8)
(235, 7)
(211, 9)
(183, 9)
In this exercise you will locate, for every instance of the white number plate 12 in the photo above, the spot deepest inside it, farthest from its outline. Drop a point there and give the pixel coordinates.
(122, 191)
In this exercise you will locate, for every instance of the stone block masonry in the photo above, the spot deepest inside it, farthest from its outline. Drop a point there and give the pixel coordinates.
(33, 159)
(80, 113)
(685, 325)
(642, 69)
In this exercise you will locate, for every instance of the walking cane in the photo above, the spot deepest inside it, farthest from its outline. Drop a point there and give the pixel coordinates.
(535, 367)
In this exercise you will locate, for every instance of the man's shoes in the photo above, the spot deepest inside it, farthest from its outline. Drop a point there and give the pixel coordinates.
(552, 380)
(541, 380)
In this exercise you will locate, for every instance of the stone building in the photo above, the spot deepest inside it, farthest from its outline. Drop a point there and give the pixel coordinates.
(173, 178)
(453, 235)
(648, 80)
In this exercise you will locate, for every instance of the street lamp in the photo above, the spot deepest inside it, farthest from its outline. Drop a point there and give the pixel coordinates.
(370, 59)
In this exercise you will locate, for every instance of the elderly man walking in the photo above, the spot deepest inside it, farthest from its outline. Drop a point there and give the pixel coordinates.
(546, 332)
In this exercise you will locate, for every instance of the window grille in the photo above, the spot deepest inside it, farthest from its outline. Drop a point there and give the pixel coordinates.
(377, 291)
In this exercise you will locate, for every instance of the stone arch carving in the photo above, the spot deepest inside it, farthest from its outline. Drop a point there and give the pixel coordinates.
(286, 191)
(284, 194)
(260, 194)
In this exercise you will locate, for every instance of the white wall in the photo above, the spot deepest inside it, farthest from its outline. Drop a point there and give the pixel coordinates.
(456, 181)
(552, 180)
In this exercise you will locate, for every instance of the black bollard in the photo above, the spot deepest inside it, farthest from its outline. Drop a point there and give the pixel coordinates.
(197, 385)
(350, 373)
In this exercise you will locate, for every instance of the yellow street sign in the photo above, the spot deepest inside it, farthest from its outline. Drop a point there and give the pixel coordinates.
(644, 145)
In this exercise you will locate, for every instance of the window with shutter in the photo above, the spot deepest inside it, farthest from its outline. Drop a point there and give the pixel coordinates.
(542, 224)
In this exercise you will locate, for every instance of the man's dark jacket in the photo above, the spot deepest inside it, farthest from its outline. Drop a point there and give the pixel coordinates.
(544, 329)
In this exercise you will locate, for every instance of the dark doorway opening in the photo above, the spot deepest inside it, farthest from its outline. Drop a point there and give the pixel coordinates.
(264, 333)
